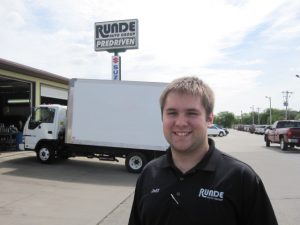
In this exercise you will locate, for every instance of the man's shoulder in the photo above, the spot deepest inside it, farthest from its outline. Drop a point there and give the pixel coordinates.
(157, 163)
(231, 163)
(154, 170)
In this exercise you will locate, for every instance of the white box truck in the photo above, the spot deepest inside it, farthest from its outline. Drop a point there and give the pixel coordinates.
(104, 119)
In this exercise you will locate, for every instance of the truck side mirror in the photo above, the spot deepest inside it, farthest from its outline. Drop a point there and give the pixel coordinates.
(33, 124)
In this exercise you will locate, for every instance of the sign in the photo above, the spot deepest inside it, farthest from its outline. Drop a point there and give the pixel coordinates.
(116, 35)
(116, 67)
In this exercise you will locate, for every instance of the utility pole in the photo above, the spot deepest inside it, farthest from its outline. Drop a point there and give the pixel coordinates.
(286, 96)
(270, 100)
(241, 117)
(258, 121)
(252, 107)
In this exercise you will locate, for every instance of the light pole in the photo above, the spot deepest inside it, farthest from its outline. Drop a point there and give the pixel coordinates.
(270, 100)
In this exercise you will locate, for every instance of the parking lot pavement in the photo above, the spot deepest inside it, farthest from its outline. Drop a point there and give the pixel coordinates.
(86, 191)
(79, 191)
(120, 215)
(278, 170)
(4, 154)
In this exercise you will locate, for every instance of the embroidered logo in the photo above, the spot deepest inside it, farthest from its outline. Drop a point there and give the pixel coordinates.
(155, 190)
(211, 194)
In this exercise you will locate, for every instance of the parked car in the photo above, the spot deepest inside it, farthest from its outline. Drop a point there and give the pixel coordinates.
(252, 128)
(223, 128)
(260, 129)
(268, 127)
(215, 131)
(226, 130)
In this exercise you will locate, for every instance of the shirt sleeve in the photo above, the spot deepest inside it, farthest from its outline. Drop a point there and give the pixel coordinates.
(258, 208)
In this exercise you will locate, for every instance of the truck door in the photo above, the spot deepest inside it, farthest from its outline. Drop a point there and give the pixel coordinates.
(39, 126)
(276, 131)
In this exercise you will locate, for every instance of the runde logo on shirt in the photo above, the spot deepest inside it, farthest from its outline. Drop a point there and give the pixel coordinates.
(211, 194)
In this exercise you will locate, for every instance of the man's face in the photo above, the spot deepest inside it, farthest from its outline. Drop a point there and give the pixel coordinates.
(185, 123)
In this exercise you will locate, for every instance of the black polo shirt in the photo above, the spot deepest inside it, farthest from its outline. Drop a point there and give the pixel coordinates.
(219, 190)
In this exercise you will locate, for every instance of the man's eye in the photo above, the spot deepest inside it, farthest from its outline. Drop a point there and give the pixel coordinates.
(192, 113)
(171, 113)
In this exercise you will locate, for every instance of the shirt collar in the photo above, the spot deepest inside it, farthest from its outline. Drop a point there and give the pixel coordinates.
(208, 163)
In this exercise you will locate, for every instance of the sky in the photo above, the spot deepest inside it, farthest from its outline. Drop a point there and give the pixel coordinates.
(244, 49)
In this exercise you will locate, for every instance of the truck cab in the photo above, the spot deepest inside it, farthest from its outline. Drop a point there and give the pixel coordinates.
(284, 132)
(44, 127)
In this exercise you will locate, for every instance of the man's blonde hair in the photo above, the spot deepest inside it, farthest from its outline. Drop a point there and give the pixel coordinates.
(192, 86)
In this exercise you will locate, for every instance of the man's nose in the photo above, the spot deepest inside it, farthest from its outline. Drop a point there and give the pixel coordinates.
(181, 120)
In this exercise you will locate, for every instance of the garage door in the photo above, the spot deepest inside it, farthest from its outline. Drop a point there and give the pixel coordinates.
(54, 92)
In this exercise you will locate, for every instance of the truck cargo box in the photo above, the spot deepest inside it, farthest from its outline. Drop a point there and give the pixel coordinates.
(122, 114)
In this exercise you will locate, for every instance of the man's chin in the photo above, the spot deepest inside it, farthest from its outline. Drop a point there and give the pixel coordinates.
(180, 148)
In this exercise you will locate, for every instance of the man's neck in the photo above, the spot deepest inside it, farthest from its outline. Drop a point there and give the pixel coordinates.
(186, 161)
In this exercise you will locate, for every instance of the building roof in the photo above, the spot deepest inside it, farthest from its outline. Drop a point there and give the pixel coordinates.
(30, 71)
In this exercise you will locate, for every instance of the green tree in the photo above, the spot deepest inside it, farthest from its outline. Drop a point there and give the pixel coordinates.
(264, 116)
(225, 119)
(297, 116)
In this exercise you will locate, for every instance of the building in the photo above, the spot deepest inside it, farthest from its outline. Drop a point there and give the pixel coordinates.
(22, 88)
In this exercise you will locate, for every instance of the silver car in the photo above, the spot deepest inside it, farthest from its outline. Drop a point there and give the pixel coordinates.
(215, 131)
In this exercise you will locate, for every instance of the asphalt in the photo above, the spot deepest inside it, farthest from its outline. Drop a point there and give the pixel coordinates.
(89, 192)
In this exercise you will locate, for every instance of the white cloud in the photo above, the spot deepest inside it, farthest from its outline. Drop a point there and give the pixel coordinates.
(176, 38)
(285, 23)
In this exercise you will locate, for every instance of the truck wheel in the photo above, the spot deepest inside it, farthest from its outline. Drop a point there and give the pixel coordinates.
(135, 162)
(221, 134)
(283, 145)
(45, 153)
(267, 141)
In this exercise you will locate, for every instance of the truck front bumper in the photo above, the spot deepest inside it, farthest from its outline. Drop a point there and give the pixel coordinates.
(294, 140)
(21, 147)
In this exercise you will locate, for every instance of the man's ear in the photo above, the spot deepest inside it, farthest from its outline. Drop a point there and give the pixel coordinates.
(210, 119)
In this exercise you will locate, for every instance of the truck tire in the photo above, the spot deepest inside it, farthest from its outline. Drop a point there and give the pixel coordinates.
(45, 153)
(267, 141)
(135, 162)
(283, 145)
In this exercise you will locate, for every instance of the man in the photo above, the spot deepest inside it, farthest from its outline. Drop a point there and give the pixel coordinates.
(195, 183)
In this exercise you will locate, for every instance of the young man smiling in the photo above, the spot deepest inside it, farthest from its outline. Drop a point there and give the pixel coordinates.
(185, 123)
(195, 183)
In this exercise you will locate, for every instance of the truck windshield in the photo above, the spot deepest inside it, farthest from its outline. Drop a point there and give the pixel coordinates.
(43, 115)
(287, 124)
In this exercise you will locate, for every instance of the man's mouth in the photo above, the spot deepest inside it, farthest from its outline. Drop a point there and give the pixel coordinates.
(182, 134)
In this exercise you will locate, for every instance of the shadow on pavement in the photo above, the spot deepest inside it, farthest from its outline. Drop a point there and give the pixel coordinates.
(288, 151)
(74, 170)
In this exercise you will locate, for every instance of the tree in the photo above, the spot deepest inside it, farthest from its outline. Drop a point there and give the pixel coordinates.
(225, 119)
(264, 117)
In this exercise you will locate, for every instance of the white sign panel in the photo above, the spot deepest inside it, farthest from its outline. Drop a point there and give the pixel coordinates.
(116, 35)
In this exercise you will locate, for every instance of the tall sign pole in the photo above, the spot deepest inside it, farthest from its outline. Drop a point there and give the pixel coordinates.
(115, 37)
(116, 67)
